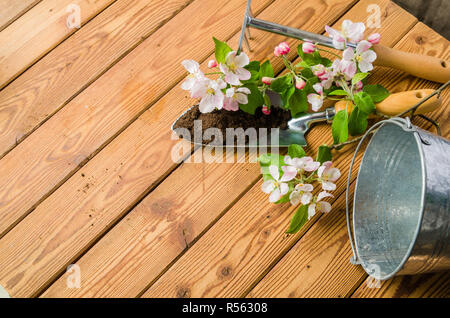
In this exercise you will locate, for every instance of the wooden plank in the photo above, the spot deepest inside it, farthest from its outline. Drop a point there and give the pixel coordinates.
(200, 211)
(90, 202)
(248, 263)
(38, 31)
(418, 286)
(59, 76)
(287, 276)
(42, 162)
(10, 10)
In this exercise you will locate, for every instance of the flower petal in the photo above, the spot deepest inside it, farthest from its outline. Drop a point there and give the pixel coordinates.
(329, 186)
(268, 186)
(322, 195)
(311, 210)
(241, 98)
(191, 66)
(365, 66)
(333, 174)
(284, 188)
(306, 198)
(207, 104)
(348, 54)
(294, 197)
(305, 187)
(241, 60)
(369, 56)
(244, 90)
(324, 207)
(363, 46)
(289, 173)
(232, 79)
(243, 74)
(275, 195)
(274, 172)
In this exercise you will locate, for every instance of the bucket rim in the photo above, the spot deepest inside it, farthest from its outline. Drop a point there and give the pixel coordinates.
(422, 202)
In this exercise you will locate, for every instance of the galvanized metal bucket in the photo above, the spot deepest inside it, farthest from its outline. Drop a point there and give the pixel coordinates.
(401, 204)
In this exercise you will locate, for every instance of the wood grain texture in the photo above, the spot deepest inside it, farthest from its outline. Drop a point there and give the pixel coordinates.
(59, 76)
(10, 10)
(74, 217)
(38, 31)
(418, 286)
(144, 268)
(279, 282)
(229, 258)
(199, 280)
(42, 162)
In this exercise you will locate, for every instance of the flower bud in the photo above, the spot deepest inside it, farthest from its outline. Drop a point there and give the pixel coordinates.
(308, 47)
(374, 38)
(281, 49)
(212, 64)
(318, 70)
(266, 110)
(267, 80)
(299, 83)
(358, 86)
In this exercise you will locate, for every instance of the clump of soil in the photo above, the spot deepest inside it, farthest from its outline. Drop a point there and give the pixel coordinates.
(223, 119)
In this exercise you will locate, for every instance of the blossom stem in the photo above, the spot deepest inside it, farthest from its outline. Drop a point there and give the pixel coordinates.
(350, 141)
(212, 73)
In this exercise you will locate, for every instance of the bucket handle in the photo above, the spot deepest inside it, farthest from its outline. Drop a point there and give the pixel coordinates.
(405, 124)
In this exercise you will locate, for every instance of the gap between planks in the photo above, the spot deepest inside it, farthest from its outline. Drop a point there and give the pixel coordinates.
(15, 14)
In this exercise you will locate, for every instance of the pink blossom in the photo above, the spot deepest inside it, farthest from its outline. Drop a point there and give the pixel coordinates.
(308, 47)
(302, 193)
(210, 93)
(234, 97)
(318, 70)
(316, 100)
(327, 175)
(278, 186)
(299, 83)
(234, 68)
(212, 63)
(374, 38)
(281, 49)
(266, 110)
(358, 86)
(267, 80)
(320, 205)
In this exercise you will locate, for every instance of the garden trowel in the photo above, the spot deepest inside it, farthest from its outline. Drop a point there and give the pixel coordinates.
(298, 127)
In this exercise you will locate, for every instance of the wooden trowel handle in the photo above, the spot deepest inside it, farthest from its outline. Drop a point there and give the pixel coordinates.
(396, 103)
(428, 67)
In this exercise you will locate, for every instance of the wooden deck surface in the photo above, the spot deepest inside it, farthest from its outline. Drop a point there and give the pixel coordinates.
(85, 157)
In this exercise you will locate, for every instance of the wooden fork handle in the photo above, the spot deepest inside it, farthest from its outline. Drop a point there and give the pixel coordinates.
(427, 67)
(396, 103)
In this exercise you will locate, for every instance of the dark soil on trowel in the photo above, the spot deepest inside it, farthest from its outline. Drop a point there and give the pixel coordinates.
(223, 119)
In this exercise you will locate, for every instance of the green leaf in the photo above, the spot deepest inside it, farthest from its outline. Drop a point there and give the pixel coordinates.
(364, 102)
(309, 59)
(281, 84)
(359, 77)
(266, 69)
(255, 99)
(296, 151)
(326, 62)
(377, 92)
(324, 154)
(222, 49)
(338, 92)
(298, 103)
(298, 220)
(286, 96)
(339, 127)
(267, 160)
(357, 123)
(253, 66)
